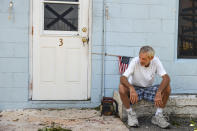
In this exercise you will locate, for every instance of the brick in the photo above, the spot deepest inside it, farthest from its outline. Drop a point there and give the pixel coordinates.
(6, 50)
(97, 49)
(19, 21)
(6, 79)
(95, 1)
(120, 50)
(109, 92)
(180, 66)
(186, 83)
(171, 3)
(119, 25)
(97, 67)
(97, 9)
(96, 82)
(97, 13)
(20, 79)
(112, 82)
(111, 67)
(20, 76)
(162, 12)
(161, 39)
(114, 10)
(14, 35)
(21, 50)
(152, 25)
(16, 6)
(97, 24)
(2, 5)
(97, 57)
(134, 11)
(169, 26)
(126, 39)
(97, 38)
(13, 94)
(165, 53)
(110, 58)
(13, 65)
(13, 105)
(95, 95)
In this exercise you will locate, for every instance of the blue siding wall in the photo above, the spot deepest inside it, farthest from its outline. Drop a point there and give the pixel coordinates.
(14, 53)
(131, 24)
(134, 23)
(14, 59)
(97, 41)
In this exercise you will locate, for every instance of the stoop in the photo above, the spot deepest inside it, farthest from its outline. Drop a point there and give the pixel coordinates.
(178, 105)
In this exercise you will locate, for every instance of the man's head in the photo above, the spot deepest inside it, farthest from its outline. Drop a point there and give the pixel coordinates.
(146, 54)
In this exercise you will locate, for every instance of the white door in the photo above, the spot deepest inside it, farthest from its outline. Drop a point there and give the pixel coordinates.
(60, 58)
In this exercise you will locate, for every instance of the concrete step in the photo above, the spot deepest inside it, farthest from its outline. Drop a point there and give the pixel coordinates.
(178, 105)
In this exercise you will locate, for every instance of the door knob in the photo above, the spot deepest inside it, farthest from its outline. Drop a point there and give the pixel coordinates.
(61, 42)
(84, 29)
(84, 40)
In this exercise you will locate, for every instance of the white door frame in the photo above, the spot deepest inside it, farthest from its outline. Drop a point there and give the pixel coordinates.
(31, 31)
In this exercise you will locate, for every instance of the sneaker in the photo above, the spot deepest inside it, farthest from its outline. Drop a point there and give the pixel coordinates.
(132, 119)
(160, 120)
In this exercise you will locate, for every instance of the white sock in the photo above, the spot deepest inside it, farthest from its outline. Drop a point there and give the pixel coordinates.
(159, 110)
(128, 110)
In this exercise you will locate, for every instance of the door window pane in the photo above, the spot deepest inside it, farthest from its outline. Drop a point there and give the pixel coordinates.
(61, 17)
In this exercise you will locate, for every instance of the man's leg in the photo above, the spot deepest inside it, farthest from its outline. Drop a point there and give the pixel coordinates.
(165, 95)
(124, 95)
(124, 91)
(149, 94)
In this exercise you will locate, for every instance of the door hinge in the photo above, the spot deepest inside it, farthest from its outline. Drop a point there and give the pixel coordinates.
(32, 31)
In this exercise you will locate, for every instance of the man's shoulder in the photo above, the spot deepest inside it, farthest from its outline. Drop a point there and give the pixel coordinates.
(156, 60)
(135, 60)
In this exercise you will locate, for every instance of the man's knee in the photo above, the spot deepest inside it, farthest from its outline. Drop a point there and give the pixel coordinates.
(122, 89)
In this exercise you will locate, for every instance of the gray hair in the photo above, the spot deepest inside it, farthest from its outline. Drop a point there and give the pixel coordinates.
(147, 49)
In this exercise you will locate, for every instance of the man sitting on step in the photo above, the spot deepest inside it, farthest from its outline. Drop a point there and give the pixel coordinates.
(137, 83)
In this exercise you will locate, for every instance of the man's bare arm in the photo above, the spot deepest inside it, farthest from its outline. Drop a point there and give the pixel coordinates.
(124, 81)
(133, 94)
(165, 82)
(158, 97)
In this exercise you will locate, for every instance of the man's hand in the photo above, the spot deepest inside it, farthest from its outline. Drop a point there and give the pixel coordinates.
(158, 99)
(133, 96)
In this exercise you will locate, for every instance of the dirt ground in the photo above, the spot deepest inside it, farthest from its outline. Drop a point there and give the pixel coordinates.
(79, 120)
(74, 119)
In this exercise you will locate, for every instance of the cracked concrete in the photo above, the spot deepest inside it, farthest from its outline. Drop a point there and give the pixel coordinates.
(74, 119)
(178, 105)
(79, 120)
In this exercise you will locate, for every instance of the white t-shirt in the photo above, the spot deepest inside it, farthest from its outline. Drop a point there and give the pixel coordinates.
(143, 76)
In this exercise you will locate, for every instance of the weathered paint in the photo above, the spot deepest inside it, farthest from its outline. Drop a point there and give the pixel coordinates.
(131, 24)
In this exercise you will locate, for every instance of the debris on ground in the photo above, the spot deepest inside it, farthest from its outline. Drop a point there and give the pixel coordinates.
(81, 120)
(70, 119)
